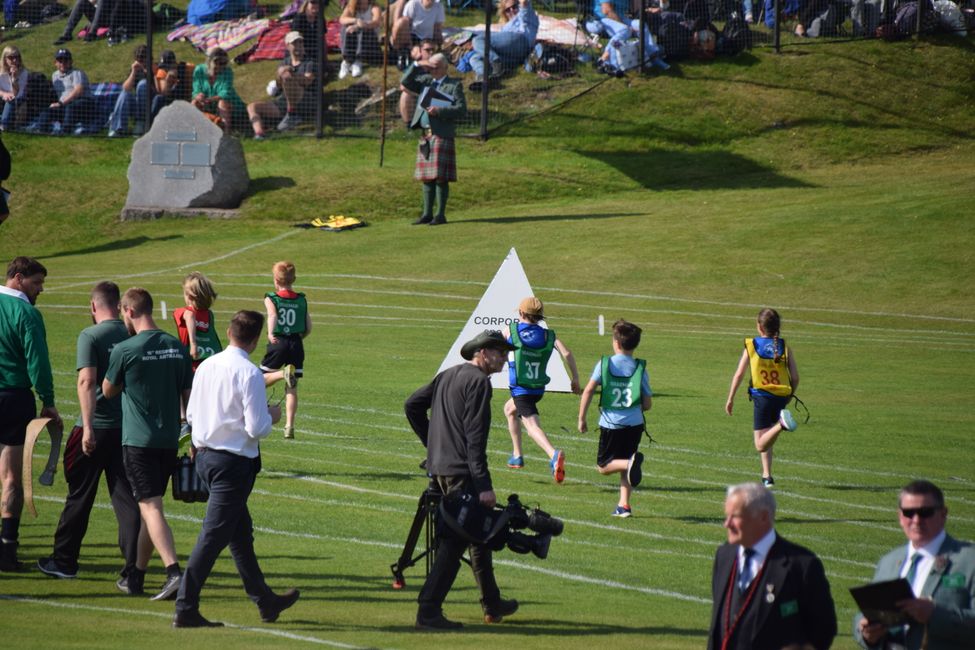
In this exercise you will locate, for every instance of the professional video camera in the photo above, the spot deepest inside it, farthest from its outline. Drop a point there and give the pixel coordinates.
(500, 527)
(469, 520)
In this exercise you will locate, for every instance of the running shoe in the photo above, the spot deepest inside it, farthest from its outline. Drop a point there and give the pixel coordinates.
(787, 421)
(51, 567)
(516, 462)
(290, 378)
(558, 465)
(768, 481)
(289, 433)
(634, 469)
(622, 511)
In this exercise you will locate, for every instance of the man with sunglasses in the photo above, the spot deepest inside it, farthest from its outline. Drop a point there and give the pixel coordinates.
(941, 571)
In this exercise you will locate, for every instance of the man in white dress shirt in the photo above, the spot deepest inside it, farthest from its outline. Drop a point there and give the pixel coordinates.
(229, 414)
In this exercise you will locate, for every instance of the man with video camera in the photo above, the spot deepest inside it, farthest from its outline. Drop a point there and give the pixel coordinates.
(455, 435)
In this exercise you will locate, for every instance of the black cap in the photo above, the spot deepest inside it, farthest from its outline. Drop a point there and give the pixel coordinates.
(486, 339)
(167, 59)
(63, 53)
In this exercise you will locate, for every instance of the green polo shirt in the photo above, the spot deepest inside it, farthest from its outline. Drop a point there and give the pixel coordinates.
(153, 369)
(95, 345)
(24, 360)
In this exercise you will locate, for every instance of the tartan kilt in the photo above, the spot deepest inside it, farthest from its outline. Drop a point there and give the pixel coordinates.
(442, 164)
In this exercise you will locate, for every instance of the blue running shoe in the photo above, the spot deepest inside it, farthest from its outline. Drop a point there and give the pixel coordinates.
(516, 462)
(622, 511)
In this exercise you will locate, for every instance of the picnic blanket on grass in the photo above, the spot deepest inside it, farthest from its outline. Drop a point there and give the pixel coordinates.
(227, 34)
(270, 44)
(550, 30)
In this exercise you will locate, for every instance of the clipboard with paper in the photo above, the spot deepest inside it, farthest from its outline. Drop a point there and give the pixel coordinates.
(878, 600)
(433, 97)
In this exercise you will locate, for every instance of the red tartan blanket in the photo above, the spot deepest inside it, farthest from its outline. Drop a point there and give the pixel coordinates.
(270, 44)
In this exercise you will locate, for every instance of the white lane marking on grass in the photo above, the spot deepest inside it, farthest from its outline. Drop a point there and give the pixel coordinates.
(185, 265)
(636, 296)
(142, 612)
(610, 584)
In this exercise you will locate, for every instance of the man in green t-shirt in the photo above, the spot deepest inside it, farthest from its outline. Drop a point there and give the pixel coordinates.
(152, 372)
(24, 364)
(94, 447)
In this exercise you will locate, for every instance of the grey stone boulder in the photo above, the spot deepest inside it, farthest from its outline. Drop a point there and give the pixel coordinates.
(186, 161)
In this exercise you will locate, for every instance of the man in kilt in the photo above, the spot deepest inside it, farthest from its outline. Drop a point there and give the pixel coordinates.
(441, 102)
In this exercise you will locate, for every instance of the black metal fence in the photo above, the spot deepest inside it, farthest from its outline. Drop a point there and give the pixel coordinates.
(315, 68)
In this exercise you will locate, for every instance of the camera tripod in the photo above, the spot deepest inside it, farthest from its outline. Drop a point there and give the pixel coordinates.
(426, 510)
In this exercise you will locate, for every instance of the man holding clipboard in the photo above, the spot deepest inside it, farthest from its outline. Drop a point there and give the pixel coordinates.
(440, 104)
(941, 572)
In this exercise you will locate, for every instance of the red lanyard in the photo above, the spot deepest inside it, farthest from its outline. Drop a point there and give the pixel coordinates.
(729, 626)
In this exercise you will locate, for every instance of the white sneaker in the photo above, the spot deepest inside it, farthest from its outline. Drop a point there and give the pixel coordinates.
(357, 69)
(787, 421)
(749, 18)
(344, 70)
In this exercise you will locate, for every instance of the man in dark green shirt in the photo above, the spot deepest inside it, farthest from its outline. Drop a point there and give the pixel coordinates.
(95, 447)
(24, 364)
(152, 372)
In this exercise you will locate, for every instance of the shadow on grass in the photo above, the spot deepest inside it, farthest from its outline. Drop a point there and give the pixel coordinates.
(120, 244)
(269, 184)
(562, 627)
(659, 169)
(552, 217)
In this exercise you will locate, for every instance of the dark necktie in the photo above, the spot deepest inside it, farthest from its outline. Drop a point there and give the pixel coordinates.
(912, 570)
(745, 578)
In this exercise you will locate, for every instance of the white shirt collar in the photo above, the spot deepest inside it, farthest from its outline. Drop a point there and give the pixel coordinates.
(16, 293)
(761, 548)
(930, 549)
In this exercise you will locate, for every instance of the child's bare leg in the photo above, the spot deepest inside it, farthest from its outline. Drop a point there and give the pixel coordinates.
(514, 426)
(625, 491)
(290, 406)
(765, 438)
(273, 377)
(534, 428)
(766, 457)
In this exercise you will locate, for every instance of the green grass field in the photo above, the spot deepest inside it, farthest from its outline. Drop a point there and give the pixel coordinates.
(844, 200)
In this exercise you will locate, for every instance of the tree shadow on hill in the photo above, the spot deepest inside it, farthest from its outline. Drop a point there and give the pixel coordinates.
(269, 184)
(662, 169)
(116, 245)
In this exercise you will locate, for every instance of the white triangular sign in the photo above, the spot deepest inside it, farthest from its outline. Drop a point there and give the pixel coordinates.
(497, 309)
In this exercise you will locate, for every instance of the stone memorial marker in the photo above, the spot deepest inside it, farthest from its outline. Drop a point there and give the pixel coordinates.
(185, 165)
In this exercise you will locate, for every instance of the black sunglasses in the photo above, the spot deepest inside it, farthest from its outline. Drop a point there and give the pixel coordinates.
(923, 513)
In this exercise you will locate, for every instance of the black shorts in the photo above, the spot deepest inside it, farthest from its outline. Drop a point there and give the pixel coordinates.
(148, 470)
(288, 349)
(618, 443)
(17, 409)
(527, 405)
(767, 408)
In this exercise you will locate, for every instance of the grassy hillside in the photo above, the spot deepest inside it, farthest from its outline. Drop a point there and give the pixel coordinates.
(833, 183)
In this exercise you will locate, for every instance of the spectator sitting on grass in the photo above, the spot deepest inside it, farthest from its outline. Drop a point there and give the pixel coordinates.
(415, 21)
(606, 16)
(174, 80)
(13, 86)
(132, 99)
(94, 11)
(213, 91)
(304, 23)
(74, 104)
(510, 46)
(360, 22)
(296, 83)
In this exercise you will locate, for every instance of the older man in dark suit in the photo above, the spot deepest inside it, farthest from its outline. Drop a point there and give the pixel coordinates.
(441, 102)
(768, 592)
(941, 571)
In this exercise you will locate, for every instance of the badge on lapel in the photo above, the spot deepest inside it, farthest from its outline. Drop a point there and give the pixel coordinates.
(953, 581)
(790, 608)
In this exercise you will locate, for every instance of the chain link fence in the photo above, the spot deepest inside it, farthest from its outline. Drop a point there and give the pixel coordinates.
(317, 68)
